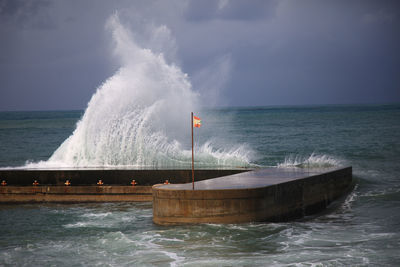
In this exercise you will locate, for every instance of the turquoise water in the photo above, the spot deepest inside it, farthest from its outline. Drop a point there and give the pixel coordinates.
(362, 230)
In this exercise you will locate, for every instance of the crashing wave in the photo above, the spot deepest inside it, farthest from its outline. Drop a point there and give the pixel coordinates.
(312, 161)
(139, 117)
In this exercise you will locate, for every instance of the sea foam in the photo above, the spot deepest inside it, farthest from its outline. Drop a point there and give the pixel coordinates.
(312, 161)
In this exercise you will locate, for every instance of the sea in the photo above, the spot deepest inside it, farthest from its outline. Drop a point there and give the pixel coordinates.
(362, 229)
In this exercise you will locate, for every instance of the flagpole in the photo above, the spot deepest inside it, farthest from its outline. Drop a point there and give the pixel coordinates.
(192, 154)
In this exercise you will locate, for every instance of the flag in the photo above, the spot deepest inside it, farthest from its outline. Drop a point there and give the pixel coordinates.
(196, 122)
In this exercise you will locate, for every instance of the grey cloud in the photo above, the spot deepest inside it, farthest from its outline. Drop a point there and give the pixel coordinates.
(230, 9)
(280, 52)
(30, 14)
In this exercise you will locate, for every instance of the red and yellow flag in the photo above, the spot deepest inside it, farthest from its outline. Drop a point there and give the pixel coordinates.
(196, 122)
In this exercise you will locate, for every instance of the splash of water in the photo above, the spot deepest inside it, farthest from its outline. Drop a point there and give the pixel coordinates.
(139, 117)
(313, 161)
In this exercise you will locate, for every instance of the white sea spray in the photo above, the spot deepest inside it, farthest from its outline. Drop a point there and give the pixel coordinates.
(312, 161)
(140, 116)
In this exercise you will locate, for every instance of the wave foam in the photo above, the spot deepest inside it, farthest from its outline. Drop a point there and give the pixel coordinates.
(313, 161)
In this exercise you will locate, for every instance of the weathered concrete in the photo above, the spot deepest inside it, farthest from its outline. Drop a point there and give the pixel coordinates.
(109, 176)
(272, 194)
(83, 187)
(74, 194)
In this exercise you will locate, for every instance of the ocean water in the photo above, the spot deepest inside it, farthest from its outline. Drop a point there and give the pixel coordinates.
(361, 230)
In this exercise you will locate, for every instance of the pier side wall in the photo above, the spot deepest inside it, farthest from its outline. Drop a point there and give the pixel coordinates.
(117, 184)
(74, 194)
(109, 177)
(278, 202)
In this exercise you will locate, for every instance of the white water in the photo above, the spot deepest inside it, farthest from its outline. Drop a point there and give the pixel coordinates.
(140, 116)
(312, 161)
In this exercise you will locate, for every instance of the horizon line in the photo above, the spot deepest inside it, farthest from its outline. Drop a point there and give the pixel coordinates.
(230, 106)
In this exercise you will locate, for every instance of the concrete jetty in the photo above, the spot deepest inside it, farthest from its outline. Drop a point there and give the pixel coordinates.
(83, 188)
(220, 196)
(74, 194)
(272, 194)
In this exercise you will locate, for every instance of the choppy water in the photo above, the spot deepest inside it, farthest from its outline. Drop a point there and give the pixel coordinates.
(362, 230)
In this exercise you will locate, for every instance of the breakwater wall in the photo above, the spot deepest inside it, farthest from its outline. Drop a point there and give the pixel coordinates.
(271, 194)
(74, 194)
(108, 176)
(116, 188)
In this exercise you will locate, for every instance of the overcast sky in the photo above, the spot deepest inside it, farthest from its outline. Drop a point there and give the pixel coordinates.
(54, 54)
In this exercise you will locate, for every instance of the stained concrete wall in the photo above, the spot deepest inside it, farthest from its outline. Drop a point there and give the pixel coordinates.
(109, 177)
(116, 186)
(278, 202)
(74, 194)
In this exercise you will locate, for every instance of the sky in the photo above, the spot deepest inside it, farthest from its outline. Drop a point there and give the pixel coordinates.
(55, 54)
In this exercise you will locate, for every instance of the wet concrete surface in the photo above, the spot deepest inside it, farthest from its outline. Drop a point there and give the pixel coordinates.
(251, 179)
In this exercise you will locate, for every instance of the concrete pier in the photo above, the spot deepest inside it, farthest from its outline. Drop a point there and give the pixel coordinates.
(273, 194)
(25, 177)
(74, 194)
(117, 184)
